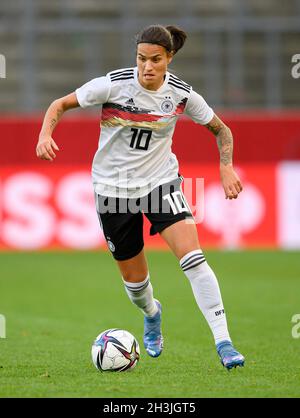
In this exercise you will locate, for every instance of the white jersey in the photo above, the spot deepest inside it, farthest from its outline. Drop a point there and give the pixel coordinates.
(137, 125)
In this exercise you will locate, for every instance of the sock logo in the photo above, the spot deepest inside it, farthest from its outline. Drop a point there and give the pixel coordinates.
(220, 312)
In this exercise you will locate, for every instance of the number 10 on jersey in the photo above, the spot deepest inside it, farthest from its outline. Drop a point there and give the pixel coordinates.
(140, 138)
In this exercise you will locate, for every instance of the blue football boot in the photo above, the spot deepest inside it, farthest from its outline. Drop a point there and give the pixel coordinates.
(229, 356)
(153, 340)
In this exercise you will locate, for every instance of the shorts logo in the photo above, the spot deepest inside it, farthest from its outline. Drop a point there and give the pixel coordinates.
(111, 246)
(167, 106)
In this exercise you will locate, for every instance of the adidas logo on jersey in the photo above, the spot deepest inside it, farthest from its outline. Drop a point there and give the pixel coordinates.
(130, 102)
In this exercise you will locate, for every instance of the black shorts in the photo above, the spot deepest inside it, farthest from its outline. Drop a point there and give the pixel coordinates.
(122, 219)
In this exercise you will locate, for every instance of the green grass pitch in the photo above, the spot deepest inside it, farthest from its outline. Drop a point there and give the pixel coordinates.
(55, 304)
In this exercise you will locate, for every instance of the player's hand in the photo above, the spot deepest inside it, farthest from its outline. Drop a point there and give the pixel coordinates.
(230, 180)
(45, 148)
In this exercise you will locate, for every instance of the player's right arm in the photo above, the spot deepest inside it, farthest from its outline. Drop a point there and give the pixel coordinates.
(46, 145)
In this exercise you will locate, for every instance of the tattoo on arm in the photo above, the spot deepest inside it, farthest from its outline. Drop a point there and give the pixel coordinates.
(54, 120)
(224, 139)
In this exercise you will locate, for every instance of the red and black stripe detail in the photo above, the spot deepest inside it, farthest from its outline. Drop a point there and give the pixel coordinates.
(111, 110)
(181, 106)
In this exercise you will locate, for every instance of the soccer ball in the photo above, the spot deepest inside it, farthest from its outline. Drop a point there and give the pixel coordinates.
(115, 350)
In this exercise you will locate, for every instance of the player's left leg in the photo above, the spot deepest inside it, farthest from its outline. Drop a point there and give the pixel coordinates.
(182, 238)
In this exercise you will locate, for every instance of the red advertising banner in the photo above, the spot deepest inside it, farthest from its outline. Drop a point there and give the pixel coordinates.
(259, 136)
(53, 207)
(249, 220)
(48, 207)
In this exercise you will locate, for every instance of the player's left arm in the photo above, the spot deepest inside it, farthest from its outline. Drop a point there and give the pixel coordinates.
(229, 178)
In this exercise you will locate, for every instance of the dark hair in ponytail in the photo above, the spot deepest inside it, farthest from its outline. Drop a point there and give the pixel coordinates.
(170, 37)
(178, 37)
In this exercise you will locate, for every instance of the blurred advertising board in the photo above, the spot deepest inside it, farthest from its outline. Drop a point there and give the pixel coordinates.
(53, 207)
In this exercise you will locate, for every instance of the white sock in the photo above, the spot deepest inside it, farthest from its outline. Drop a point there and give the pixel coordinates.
(141, 294)
(207, 293)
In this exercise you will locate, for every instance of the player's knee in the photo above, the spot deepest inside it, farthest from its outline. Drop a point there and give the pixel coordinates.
(134, 276)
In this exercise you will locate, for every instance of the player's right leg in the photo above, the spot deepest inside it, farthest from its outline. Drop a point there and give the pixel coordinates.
(124, 235)
(139, 289)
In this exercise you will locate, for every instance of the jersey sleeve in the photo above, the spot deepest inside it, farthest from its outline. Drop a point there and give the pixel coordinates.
(94, 92)
(198, 110)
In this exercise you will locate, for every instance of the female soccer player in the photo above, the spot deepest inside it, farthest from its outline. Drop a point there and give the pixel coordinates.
(135, 172)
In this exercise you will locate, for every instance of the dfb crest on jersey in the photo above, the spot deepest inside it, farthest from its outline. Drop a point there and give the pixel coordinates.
(167, 106)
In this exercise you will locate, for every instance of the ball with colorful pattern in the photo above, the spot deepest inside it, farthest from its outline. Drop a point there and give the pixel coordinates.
(115, 350)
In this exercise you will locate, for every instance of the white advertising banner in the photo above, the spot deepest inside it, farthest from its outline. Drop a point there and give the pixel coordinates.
(288, 204)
